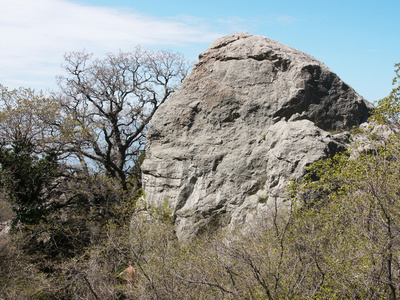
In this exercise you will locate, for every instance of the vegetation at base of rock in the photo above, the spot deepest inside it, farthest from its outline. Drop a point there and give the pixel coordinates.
(75, 232)
(70, 161)
(347, 210)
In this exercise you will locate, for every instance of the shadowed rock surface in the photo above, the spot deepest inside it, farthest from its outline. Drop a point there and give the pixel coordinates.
(252, 114)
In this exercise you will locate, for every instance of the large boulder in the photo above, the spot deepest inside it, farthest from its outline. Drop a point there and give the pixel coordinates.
(251, 115)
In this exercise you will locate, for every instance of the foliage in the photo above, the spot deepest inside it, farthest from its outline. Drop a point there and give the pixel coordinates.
(20, 279)
(58, 211)
(336, 237)
(348, 211)
(28, 163)
(98, 120)
(388, 109)
(27, 180)
(28, 118)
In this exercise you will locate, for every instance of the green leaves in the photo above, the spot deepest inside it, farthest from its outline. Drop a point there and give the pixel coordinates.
(28, 156)
(348, 208)
(26, 180)
(29, 118)
(388, 109)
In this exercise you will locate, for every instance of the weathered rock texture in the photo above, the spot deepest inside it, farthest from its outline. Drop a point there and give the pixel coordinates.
(252, 114)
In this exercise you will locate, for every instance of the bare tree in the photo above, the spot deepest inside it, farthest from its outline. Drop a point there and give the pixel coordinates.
(109, 104)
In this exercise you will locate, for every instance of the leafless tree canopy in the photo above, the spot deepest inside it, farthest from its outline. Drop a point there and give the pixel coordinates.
(110, 102)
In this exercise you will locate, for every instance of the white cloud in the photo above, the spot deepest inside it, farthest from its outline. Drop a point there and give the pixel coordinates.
(36, 34)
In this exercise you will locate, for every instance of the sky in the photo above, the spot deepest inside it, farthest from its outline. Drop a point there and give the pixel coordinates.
(357, 39)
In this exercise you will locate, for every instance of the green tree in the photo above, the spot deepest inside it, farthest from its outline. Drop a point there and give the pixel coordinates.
(34, 178)
(388, 109)
(28, 160)
(27, 180)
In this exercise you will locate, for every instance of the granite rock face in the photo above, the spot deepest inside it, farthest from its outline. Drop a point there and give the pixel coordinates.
(252, 114)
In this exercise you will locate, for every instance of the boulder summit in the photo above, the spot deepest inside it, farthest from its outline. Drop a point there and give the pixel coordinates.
(252, 114)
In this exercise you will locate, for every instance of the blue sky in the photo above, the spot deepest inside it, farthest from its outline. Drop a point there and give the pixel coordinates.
(357, 39)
